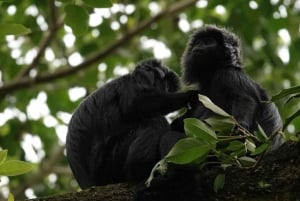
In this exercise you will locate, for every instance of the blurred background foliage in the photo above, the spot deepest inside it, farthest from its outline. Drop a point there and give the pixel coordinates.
(45, 74)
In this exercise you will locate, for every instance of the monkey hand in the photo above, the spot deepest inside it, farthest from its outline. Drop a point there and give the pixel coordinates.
(193, 99)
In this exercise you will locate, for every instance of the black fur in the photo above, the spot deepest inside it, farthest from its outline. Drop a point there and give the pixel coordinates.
(213, 61)
(119, 132)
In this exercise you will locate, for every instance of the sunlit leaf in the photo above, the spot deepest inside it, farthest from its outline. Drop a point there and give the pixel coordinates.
(3, 155)
(77, 18)
(13, 29)
(15, 167)
(219, 182)
(210, 105)
(196, 128)
(98, 3)
(187, 150)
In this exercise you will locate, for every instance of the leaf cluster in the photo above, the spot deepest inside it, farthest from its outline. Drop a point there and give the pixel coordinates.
(219, 141)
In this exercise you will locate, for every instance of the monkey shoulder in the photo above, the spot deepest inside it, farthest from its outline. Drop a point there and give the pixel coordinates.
(235, 80)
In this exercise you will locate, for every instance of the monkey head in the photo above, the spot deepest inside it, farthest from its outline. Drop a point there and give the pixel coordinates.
(210, 48)
(152, 73)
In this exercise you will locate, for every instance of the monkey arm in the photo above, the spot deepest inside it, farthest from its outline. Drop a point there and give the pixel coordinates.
(162, 103)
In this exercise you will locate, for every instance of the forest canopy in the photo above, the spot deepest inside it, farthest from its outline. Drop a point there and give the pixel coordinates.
(54, 53)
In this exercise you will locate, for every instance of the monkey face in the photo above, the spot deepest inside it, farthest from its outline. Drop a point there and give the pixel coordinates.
(212, 47)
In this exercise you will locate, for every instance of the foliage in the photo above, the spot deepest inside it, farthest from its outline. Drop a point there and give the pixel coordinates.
(214, 138)
(12, 167)
(51, 59)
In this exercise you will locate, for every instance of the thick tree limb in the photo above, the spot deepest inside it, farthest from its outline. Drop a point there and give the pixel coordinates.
(26, 82)
(276, 178)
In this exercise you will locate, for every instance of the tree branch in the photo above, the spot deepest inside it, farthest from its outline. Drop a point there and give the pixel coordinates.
(54, 25)
(26, 82)
(276, 178)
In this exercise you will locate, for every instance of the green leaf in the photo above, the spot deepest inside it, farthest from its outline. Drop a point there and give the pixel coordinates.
(260, 149)
(98, 3)
(293, 138)
(219, 182)
(221, 123)
(187, 150)
(250, 145)
(261, 135)
(3, 156)
(290, 119)
(14, 167)
(235, 145)
(210, 105)
(286, 92)
(77, 18)
(10, 197)
(247, 161)
(196, 128)
(13, 29)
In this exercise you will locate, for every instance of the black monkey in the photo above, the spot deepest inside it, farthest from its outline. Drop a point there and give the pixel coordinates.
(213, 61)
(119, 132)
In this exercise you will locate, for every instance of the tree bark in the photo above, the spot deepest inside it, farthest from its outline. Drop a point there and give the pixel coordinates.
(276, 177)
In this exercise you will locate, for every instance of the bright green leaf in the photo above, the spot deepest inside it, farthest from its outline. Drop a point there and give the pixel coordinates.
(260, 149)
(3, 155)
(13, 29)
(10, 197)
(187, 150)
(77, 18)
(15, 167)
(250, 145)
(98, 3)
(210, 105)
(196, 128)
(219, 182)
